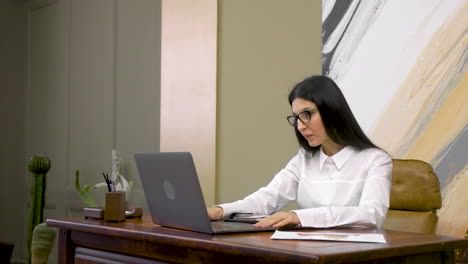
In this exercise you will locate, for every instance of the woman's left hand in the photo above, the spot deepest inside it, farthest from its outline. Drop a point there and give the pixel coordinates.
(279, 219)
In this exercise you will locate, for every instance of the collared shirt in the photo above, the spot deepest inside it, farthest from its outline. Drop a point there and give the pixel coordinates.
(351, 187)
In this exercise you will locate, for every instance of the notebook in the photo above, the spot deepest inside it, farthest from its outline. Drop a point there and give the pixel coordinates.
(174, 195)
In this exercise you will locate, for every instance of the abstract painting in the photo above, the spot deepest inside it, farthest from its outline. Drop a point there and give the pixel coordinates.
(402, 67)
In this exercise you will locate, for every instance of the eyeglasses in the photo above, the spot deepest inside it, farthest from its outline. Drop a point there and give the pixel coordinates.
(304, 116)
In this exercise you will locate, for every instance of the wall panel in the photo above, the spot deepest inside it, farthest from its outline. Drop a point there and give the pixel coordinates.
(188, 84)
(47, 96)
(13, 22)
(47, 126)
(138, 56)
(92, 89)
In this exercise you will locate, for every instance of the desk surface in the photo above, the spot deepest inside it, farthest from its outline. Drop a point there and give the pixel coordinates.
(139, 238)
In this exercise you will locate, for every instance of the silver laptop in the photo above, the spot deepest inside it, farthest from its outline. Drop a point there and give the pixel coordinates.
(174, 195)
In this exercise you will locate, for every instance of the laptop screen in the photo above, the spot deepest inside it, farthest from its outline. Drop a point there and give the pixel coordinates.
(172, 190)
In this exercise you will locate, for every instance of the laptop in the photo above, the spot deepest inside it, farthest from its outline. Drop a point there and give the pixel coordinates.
(174, 195)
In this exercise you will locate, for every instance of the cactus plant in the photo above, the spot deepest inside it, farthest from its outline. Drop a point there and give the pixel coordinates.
(39, 165)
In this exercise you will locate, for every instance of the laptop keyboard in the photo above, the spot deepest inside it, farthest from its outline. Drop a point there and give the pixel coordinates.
(227, 226)
(223, 226)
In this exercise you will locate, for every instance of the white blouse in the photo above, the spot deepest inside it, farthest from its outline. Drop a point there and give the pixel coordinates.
(350, 188)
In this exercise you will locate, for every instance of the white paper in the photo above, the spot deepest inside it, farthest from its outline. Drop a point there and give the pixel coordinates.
(331, 236)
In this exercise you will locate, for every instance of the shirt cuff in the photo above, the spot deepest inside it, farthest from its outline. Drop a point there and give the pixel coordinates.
(229, 209)
(314, 217)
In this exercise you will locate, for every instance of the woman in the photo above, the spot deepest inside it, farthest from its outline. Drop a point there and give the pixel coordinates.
(339, 177)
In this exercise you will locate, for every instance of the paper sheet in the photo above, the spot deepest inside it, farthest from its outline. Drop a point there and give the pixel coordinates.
(331, 236)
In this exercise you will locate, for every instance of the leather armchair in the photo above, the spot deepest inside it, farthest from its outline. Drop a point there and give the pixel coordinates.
(414, 199)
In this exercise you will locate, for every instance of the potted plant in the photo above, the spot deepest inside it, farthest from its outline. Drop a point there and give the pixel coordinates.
(40, 236)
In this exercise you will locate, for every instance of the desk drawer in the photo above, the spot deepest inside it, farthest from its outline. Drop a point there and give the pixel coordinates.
(91, 256)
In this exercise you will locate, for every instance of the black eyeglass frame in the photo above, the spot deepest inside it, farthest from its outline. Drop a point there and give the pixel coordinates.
(295, 117)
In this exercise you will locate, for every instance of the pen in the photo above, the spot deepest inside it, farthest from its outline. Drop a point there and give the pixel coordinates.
(108, 182)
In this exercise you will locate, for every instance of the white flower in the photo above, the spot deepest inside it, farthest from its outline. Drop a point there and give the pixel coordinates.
(118, 181)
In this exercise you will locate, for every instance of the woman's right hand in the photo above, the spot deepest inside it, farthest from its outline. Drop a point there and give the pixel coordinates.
(215, 212)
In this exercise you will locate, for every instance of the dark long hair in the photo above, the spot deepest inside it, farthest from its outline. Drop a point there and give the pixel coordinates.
(339, 122)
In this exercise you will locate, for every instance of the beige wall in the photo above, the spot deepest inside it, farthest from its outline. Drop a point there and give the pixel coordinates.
(93, 84)
(264, 48)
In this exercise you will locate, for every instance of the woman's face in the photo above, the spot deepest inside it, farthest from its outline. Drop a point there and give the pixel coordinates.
(313, 131)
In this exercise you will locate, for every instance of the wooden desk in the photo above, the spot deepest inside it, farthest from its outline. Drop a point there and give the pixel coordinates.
(137, 241)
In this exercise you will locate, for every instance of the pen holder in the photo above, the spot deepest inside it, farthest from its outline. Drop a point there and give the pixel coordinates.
(115, 206)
